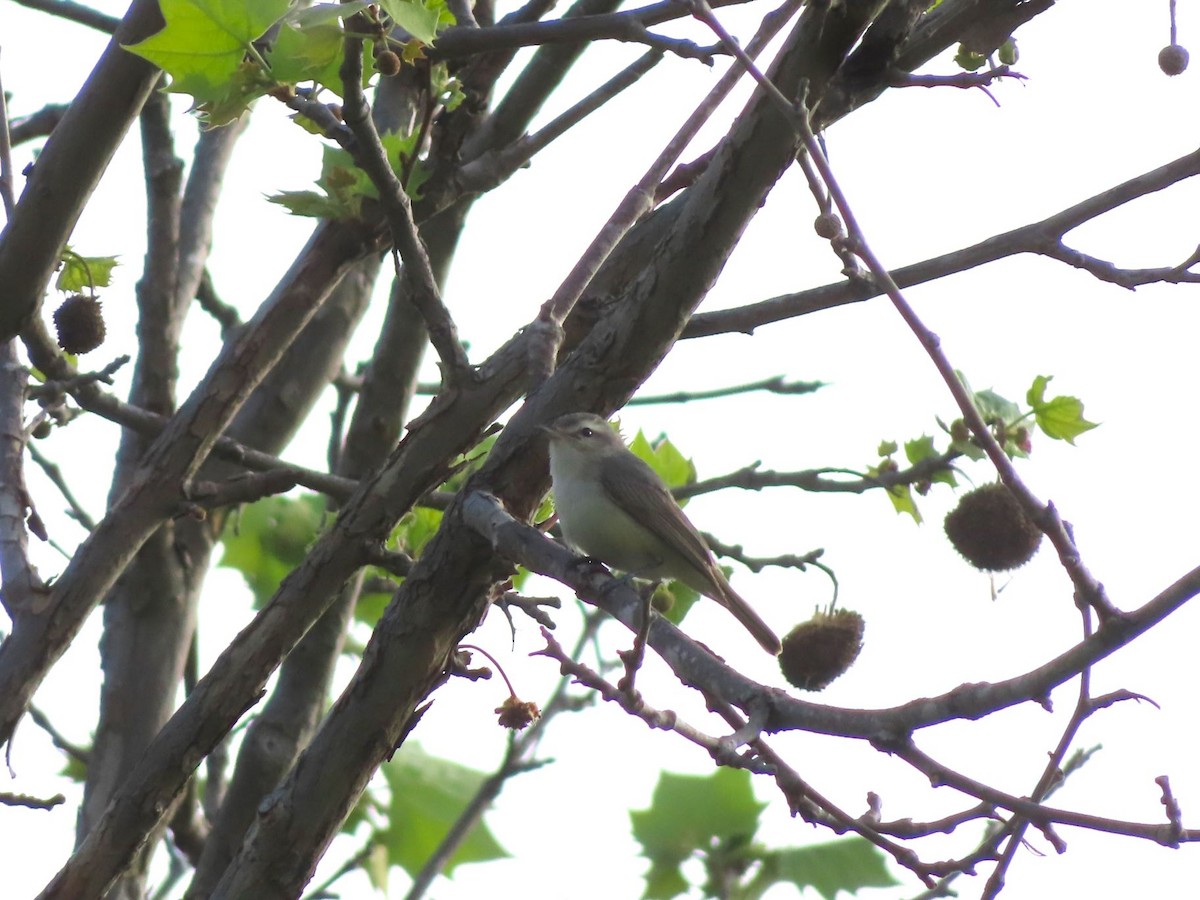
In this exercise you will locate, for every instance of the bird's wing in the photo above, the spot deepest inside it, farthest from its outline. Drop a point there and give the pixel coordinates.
(648, 502)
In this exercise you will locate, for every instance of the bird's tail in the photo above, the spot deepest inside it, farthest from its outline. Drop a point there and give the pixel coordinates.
(750, 620)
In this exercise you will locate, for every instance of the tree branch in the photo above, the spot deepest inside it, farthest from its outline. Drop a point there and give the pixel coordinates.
(398, 209)
(777, 384)
(75, 12)
(630, 25)
(1043, 237)
(70, 165)
(529, 547)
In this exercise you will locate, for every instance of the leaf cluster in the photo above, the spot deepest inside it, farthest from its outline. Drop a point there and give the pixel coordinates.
(714, 819)
(1059, 418)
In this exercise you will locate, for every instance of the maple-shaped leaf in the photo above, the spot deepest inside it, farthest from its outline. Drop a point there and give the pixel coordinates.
(1059, 417)
(310, 44)
(205, 42)
(423, 19)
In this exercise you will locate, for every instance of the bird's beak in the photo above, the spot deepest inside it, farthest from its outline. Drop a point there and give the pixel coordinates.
(548, 430)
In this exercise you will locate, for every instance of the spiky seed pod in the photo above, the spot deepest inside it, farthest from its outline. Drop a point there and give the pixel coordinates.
(388, 63)
(818, 651)
(1173, 59)
(79, 323)
(991, 531)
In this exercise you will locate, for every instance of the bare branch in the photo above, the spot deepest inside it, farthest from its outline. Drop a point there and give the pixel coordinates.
(532, 549)
(7, 799)
(70, 165)
(75, 12)
(398, 209)
(774, 385)
(1088, 589)
(24, 592)
(1042, 237)
(54, 473)
(37, 124)
(640, 199)
(660, 719)
(752, 478)
(225, 315)
(630, 25)
(242, 489)
(8, 197)
(69, 747)
(1043, 817)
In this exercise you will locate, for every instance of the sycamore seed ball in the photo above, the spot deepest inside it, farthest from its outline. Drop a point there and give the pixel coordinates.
(388, 63)
(1173, 59)
(79, 324)
(991, 531)
(823, 648)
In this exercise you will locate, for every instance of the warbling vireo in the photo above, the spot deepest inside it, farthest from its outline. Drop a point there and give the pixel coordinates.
(614, 507)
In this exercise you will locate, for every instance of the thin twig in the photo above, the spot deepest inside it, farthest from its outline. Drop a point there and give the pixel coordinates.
(664, 719)
(36, 124)
(54, 473)
(8, 199)
(1088, 589)
(774, 385)
(75, 12)
(752, 478)
(67, 746)
(397, 208)
(639, 201)
(512, 33)
(517, 759)
(491, 169)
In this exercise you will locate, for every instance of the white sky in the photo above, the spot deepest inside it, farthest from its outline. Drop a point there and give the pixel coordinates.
(926, 171)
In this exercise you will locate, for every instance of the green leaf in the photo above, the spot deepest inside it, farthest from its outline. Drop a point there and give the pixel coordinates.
(345, 185)
(900, 495)
(1008, 53)
(310, 45)
(664, 881)
(309, 203)
(887, 448)
(233, 97)
(269, 538)
(78, 273)
(428, 795)
(683, 598)
(205, 42)
(968, 59)
(376, 866)
(920, 448)
(1061, 417)
(370, 607)
(75, 769)
(322, 14)
(423, 20)
(306, 53)
(686, 813)
(843, 865)
(416, 529)
(666, 459)
(993, 406)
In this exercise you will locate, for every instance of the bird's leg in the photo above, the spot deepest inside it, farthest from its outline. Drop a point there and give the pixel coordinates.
(633, 657)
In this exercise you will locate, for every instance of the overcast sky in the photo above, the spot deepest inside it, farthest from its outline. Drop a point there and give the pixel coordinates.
(927, 171)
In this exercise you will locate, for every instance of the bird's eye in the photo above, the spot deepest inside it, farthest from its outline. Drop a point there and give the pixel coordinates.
(586, 432)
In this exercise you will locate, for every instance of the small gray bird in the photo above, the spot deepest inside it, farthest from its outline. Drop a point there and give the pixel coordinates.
(614, 507)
